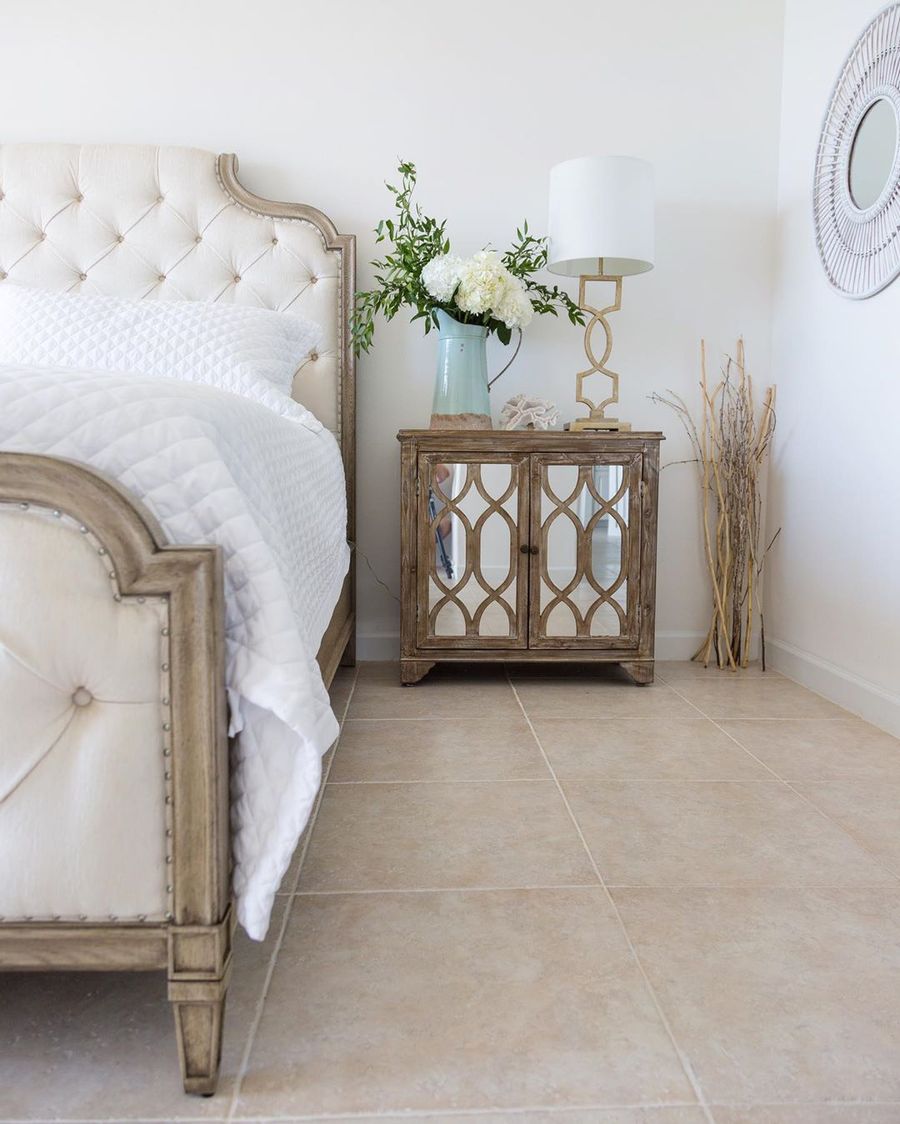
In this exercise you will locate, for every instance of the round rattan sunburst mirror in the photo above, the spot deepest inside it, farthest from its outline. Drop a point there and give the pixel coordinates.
(856, 192)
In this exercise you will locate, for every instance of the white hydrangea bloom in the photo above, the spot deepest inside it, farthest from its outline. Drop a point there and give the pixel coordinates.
(481, 279)
(512, 305)
(441, 276)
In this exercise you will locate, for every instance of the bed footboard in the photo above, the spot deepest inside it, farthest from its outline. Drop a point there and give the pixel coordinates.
(114, 841)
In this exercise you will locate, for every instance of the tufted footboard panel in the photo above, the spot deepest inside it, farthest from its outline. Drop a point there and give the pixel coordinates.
(84, 729)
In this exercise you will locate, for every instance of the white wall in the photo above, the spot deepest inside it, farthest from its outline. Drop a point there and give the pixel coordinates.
(833, 593)
(318, 100)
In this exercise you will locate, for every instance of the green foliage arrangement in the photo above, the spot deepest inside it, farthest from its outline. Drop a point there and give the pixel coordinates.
(496, 291)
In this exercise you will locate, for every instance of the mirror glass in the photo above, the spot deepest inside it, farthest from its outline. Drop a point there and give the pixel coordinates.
(872, 154)
(584, 589)
(473, 509)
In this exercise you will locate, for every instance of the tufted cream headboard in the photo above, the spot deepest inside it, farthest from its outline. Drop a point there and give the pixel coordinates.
(174, 224)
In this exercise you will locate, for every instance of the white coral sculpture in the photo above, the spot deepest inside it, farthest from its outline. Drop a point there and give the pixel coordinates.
(522, 412)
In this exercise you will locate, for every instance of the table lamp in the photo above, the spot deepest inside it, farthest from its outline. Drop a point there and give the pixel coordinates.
(601, 229)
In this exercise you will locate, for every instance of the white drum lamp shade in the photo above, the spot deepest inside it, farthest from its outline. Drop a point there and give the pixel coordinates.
(601, 216)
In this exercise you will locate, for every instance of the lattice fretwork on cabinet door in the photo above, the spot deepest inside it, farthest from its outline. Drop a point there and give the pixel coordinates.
(585, 560)
(473, 523)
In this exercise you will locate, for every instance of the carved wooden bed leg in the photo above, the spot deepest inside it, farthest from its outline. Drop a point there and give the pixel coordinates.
(199, 1017)
(199, 972)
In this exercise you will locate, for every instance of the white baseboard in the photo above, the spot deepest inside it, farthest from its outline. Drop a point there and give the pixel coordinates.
(377, 646)
(677, 645)
(873, 703)
(386, 645)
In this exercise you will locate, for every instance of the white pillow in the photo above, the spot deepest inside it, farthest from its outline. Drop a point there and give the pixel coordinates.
(194, 341)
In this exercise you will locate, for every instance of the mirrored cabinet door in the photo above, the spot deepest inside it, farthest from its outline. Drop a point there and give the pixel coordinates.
(585, 565)
(472, 571)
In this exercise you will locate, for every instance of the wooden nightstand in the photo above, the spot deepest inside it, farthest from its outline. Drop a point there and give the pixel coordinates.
(528, 546)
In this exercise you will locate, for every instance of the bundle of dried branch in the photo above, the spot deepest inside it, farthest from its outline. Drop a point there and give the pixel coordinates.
(731, 443)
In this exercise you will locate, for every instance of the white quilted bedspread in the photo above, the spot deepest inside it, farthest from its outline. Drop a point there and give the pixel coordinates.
(257, 474)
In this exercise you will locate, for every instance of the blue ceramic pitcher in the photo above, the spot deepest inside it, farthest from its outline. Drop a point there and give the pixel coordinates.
(461, 398)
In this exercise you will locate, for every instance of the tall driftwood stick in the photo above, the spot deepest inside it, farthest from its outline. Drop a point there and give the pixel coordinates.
(730, 445)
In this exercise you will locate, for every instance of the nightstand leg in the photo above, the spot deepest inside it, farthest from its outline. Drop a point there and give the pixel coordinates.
(412, 671)
(640, 672)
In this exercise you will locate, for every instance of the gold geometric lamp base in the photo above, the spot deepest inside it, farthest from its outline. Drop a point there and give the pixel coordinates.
(612, 425)
(597, 419)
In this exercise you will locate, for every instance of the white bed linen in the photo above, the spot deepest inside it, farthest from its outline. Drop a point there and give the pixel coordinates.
(192, 341)
(257, 474)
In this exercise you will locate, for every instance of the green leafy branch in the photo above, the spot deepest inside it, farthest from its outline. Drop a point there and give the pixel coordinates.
(415, 239)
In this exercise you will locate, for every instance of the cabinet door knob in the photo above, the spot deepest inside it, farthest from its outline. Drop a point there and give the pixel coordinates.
(524, 548)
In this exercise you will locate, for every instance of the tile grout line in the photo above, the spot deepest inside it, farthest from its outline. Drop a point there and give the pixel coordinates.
(557, 1109)
(561, 1110)
(529, 888)
(686, 1066)
(549, 1110)
(451, 780)
(700, 672)
(761, 679)
(582, 777)
(790, 786)
(387, 890)
(605, 717)
(289, 904)
(727, 887)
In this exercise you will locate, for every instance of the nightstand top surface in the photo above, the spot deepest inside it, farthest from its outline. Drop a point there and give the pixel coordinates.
(493, 438)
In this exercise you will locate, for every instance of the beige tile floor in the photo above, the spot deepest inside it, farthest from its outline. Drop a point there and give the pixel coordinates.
(546, 897)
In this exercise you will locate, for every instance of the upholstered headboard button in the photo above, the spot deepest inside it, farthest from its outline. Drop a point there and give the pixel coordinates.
(81, 696)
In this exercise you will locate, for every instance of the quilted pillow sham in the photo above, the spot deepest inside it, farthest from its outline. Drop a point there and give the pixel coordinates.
(194, 341)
